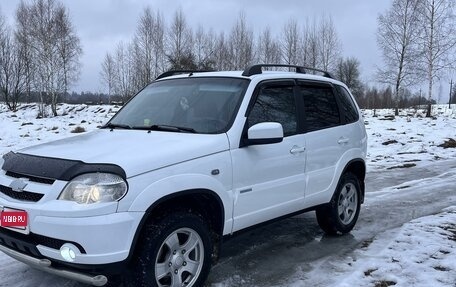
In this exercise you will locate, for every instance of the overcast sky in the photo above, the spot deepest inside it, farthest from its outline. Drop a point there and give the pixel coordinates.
(101, 24)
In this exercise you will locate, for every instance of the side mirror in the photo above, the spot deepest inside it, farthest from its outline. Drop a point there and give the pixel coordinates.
(265, 133)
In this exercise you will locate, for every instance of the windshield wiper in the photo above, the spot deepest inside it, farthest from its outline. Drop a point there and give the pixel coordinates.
(166, 128)
(115, 126)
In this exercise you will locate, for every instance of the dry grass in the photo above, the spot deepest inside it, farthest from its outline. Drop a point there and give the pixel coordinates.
(78, 130)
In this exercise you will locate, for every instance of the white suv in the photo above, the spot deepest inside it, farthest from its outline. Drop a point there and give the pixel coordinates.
(193, 158)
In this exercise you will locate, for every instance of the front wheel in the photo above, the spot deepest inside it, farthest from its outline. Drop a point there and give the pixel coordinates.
(175, 251)
(339, 216)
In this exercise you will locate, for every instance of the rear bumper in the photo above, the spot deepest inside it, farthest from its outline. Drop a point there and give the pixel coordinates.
(46, 265)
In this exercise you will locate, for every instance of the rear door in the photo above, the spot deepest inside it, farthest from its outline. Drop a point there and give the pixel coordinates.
(326, 138)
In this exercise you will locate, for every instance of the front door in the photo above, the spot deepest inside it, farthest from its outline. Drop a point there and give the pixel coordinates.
(269, 179)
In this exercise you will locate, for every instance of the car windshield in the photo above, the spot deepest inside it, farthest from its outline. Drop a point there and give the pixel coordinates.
(198, 105)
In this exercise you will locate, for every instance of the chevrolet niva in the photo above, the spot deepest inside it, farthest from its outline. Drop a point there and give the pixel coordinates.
(193, 158)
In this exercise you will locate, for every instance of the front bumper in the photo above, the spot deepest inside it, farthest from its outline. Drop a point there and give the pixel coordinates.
(101, 234)
(45, 265)
(101, 239)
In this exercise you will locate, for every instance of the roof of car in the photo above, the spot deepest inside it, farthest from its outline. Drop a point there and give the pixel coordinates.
(265, 75)
(261, 71)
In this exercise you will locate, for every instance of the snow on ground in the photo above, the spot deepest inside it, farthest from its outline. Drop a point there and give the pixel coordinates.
(420, 253)
(408, 139)
(23, 128)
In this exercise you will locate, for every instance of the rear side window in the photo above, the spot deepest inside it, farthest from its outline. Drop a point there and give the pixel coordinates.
(320, 108)
(348, 106)
(275, 104)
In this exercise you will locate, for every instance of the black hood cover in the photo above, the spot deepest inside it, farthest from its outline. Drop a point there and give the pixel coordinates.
(54, 168)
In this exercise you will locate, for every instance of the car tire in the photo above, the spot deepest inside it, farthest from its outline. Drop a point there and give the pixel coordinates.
(177, 247)
(339, 216)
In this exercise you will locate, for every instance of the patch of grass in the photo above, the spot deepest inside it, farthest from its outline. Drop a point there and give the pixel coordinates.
(451, 228)
(369, 272)
(405, 165)
(450, 143)
(78, 130)
(441, 268)
(366, 243)
(390, 142)
(384, 283)
(388, 118)
(410, 152)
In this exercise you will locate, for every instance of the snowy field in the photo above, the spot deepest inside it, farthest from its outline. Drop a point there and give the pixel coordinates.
(408, 155)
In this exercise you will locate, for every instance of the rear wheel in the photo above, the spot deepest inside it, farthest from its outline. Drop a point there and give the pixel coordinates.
(339, 216)
(175, 251)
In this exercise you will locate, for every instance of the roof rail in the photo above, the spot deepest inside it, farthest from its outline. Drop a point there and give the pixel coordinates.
(258, 69)
(178, 72)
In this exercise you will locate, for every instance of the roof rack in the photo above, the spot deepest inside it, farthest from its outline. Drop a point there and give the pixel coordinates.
(178, 72)
(258, 69)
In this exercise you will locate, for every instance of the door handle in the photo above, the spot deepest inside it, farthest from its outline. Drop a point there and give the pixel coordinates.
(343, 140)
(297, 149)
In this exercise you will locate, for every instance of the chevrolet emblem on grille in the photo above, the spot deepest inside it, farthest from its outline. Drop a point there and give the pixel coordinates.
(18, 185)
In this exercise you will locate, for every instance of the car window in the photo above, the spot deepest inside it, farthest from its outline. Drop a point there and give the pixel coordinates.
(205, 104)
(348, 106)
(275, 104)
(320, 107)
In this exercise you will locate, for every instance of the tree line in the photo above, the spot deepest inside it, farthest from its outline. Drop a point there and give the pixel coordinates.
(40, 56)
(157, 47)
(418, 41)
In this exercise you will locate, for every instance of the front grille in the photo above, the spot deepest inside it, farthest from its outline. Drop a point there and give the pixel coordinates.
(30, 177)
(23, 195)
(26, 243)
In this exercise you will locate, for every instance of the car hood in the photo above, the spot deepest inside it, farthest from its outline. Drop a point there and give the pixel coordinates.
(136, 151)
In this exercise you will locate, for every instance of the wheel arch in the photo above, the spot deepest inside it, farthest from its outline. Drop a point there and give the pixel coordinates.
(358, 168)
(203, 202)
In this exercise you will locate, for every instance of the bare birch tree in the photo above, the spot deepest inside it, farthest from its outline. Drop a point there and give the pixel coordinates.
(348, 71)
(12, 76)
(329, 44)
(124, 71)
(180, 42)
(397, 36)
(149, 41)
(46, 29)
(310, 47)
(222, 53)
(107, 74)
(241, 44)
(144, 39)
(438, 39)
(24, 41)
(69, 49)
(290, 42)
(204, 48)
(268, 48)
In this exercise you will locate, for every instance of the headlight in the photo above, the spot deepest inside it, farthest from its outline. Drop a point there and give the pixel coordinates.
(94, 187)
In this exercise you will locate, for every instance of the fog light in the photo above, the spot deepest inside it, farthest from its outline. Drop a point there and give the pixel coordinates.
(68, 252)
